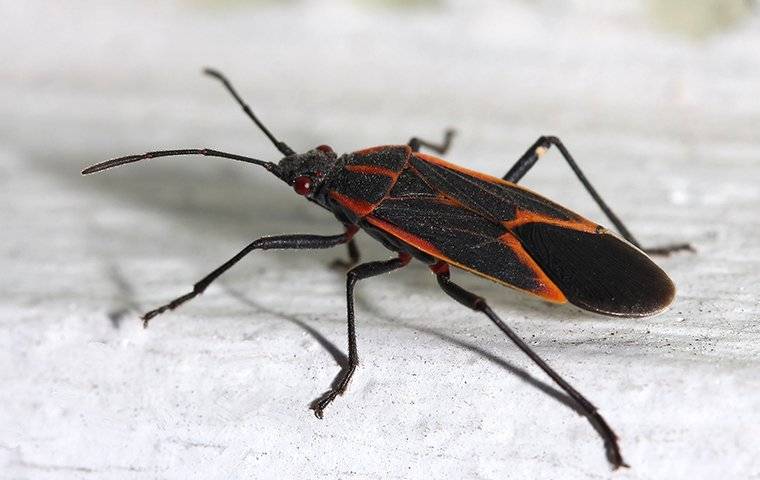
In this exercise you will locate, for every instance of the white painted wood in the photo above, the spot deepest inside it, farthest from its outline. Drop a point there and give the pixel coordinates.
(664, 125)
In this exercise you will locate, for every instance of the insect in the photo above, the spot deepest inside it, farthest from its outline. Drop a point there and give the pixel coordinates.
(443, 215)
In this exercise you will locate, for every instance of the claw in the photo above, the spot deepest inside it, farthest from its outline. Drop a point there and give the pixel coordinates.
(322, 402)
(146, 317)
(169, 306)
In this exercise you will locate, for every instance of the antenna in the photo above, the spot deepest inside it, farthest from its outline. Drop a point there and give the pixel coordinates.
(272, 167)
(281, 146)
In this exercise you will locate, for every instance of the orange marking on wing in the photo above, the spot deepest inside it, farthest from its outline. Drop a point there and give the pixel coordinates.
(407, 237)
(548, 291)
(358, 207)
(370, 150)
(373, 170)
(443, 199)
(379, 148)
(474, 173)
(547, 288)
(523, 216)
(526, 216)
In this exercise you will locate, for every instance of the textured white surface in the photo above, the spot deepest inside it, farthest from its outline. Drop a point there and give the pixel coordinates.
(666, 128)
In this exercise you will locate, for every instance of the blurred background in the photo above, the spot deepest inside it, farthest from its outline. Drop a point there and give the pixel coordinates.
(657, 100)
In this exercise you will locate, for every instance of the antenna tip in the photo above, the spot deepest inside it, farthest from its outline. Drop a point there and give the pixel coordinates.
(212, 72)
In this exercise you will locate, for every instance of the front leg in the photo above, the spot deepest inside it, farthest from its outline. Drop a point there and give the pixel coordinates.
(296, 242)
(357, 273)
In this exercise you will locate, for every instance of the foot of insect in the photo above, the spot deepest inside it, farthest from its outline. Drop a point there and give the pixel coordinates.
(326, 399)
(365, 270)
(666, 250)
(169, 306)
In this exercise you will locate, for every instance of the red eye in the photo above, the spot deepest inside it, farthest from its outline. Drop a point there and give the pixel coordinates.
(325, 149)
(302, 185)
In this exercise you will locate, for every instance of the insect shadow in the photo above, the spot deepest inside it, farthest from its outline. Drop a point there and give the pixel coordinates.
(125, 304)
(545, 388)
(340, 358)
(124, 301)
(523, 375)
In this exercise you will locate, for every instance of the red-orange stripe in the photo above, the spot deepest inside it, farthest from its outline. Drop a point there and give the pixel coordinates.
(443, 199)
(358, 207)
(548, 289)
(523, 216)
(473, 173)
(379, 148)
(457, 168)
(526, 216)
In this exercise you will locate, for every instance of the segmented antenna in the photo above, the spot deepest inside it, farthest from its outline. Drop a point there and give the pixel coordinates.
(272, 167)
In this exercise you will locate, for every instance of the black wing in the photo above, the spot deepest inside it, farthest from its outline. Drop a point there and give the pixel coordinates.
(518, 238)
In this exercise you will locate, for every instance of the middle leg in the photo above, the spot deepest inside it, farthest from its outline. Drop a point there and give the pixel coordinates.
(365, 270)
(294, 242)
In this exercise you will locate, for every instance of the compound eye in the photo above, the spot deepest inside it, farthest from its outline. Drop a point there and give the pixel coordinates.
(302, 185)
(325, 149)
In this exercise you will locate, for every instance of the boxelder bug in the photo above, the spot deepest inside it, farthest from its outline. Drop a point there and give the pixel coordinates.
(441, 214)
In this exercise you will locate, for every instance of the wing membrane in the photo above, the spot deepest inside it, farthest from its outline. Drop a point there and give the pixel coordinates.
(515, 237)
(493, 197)
(466, 239)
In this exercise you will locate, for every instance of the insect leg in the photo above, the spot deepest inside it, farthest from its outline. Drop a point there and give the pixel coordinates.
(296, 242)
(531, 156)
(479, 304)
(440, 148)
(353, 257)
(365, 270)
